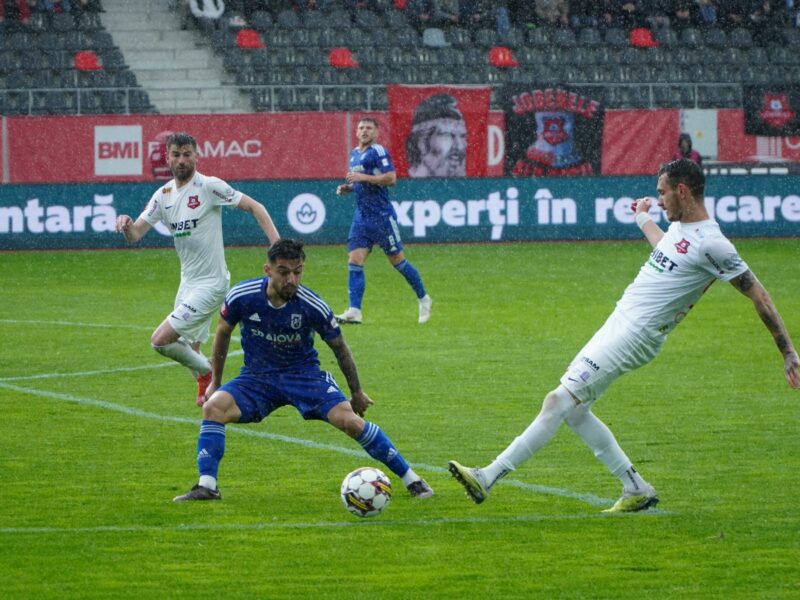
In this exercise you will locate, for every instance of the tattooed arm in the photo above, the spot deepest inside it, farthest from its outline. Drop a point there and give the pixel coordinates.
(750, 286)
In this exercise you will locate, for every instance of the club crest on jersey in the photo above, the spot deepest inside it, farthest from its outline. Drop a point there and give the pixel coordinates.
(297, 321)
(166, 190)
(683, 246)
(194, 202)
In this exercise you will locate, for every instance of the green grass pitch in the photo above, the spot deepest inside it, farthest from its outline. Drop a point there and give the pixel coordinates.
(98, 433)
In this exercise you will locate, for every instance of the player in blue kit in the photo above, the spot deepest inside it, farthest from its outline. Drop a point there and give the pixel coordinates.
(278, 319)
(370, 174)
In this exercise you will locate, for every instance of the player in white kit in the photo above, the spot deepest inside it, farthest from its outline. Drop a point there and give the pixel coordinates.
(190, 206)
(685, 261)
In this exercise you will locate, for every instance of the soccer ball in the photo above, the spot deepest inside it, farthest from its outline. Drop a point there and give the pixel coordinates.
(366, 492)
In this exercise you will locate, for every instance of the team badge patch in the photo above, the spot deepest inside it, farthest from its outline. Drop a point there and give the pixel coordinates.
(194, 202)
(683, 246)
(297, 321)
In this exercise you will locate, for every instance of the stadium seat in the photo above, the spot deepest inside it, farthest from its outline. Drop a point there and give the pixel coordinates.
(500, 56)
(367, 20)
(665, 36)
(288, 19)
(515, 38)
(433, 37)
(540, 36)
(249, 39)
(564, 37)
(616, 38)
(261, 20)
(86, 60)
(459, 36)
(741, 38)
(486, 38)
(715, 38)
(342, 58)
(691, 38)
(89, 102)
(314, 19)
(62, 21)
(589, 36)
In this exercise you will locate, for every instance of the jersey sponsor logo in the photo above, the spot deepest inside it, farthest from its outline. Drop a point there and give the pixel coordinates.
(296, 321)
(660, 261)
(166, 190)
(184, 225)
(278, 338)
(254, 317)
(152, 208)
(224, 196)
(714, 263)
(591, 363)
(683, 246)
(118, 150)
(193, 202)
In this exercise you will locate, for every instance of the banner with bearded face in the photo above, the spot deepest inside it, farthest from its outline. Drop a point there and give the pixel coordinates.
(439, 131)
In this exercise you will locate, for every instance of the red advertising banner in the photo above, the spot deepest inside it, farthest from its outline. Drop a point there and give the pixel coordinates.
(739, 147)
(126, 148)
(636, 142)
(439, 131)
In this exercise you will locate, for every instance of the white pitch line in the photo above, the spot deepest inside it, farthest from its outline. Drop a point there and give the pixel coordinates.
(160, 365)
(74, 324)
(590, 499)
(311, 525)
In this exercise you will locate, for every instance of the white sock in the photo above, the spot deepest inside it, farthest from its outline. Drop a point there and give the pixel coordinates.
(207, 481)
(410, 477)
(183, 353)
(605, 447)
(538, 433)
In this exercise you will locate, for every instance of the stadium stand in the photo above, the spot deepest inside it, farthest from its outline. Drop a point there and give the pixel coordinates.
(342, 59)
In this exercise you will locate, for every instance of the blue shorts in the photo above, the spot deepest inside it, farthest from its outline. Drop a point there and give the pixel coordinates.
(385, 233)
(312, 393)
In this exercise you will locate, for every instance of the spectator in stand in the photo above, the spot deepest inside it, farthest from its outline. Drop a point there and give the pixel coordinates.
(583, 13)
(475, 14)
(767, 19)
(732, 14)
(57, 6)
(685, 150)
(13, 14)
(655, 12)
(522, 13)
(683, 14)
(552, 13)
(623, 14)
(446, 13)
(420, 13)
(706, 13)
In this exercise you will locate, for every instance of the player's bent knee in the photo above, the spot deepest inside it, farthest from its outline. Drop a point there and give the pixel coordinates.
(221, 408)
(559, 401)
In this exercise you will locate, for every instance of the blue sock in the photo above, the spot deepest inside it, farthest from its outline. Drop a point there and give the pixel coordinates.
(407, 270)
(210, 447)
(379, 447)
(357, 284)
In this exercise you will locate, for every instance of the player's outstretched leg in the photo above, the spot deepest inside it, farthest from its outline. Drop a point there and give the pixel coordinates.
(472, 479)
(378, 446)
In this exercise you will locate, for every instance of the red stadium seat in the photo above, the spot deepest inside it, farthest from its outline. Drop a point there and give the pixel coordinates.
(342, 58)
(642, 37)
(86, 60)
(500, 56)
(249, 39)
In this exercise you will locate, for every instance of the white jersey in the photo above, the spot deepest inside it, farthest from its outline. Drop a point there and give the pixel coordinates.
(687, 260)
(193, 214)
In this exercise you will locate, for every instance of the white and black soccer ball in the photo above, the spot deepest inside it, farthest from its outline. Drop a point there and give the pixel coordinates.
(366, 492)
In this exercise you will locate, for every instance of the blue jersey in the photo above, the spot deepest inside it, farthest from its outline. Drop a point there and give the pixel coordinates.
(372, 201)
(278, 339)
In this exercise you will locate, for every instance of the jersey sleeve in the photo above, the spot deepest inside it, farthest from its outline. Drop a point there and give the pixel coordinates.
(721, 259)
(382, 159)
(221, 193)
(229, 311)
(152, 213)
(321, 316)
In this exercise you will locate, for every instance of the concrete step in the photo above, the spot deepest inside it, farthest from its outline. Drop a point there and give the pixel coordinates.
(155, 39)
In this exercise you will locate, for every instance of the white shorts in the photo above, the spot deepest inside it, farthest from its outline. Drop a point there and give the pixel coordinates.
(615, 349)
(194, 308)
